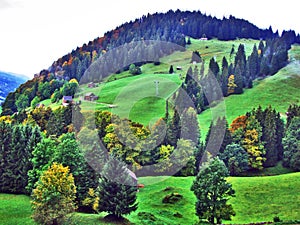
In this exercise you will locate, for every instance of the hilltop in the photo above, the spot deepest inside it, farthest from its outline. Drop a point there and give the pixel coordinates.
(171, 27)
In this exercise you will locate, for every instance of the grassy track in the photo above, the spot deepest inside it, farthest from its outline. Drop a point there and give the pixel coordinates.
(257, 199)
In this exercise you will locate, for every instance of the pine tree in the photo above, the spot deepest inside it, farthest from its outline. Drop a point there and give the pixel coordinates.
(292, 112)
(253, 64)
(5, 150)
(174, 129)
(212, 192)
(218, 137)
(171, 70)
(224, 77)
(291, 143)
(270, 138)
(17, 158)
(235, 158)
(117, 189)
(42, 156)
(238, 79)
(214, 67)
(189, 126)
(183, 158)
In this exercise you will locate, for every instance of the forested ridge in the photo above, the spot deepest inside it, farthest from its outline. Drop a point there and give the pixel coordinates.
(172, 27)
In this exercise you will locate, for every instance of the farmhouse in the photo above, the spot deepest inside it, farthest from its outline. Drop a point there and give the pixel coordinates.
(91, 85)
(66, 100)
(90, 97)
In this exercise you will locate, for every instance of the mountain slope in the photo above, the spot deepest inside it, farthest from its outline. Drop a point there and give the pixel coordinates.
(279, 91)
(172, 27)
(8, 83)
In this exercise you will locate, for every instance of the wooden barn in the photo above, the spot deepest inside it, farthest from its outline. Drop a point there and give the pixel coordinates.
(90, 97)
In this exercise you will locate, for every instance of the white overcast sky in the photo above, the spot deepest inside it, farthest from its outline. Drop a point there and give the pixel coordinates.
(34, 33)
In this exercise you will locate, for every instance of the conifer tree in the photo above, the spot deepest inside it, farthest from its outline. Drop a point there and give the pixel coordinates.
(235, 158)
(5, 150)
(174, 129)
(117, 189)
(270, 138)
(291, 143)
(224, 77)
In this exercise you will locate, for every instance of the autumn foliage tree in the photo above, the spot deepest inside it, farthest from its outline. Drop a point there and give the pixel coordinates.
(247, 132)
(54, 196)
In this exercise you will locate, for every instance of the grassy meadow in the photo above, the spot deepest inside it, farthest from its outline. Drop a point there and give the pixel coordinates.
(258, 199)
(129, 96)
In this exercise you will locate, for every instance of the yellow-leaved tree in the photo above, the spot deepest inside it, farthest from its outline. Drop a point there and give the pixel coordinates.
(54, 196)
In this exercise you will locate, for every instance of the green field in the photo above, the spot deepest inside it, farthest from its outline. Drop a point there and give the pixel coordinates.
(257, 199)
(131, 95)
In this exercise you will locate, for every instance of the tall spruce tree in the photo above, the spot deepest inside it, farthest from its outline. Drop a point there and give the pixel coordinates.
(224, 77)
(5, 150)
(270, 138)
(18, 158)
(174, 129)
(117, 189)
(291, 143)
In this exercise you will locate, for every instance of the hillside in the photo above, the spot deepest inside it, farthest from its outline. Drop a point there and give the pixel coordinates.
(258, 199)
(279, 91)
(8, 83)
(220, 67)
(172, 27)
(134, 93)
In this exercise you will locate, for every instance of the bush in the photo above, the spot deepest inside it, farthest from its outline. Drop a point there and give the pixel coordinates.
(54, 196)
(276, 219)
(172, 198)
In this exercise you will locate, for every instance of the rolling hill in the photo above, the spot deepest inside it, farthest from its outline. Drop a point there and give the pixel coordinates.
(258, 199)
(134, 93)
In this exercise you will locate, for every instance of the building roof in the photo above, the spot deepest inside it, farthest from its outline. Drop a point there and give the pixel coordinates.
(67, 98)
(132, 174)
(90, 94)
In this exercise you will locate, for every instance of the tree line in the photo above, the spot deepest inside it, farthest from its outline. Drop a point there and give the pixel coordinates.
(266, 59)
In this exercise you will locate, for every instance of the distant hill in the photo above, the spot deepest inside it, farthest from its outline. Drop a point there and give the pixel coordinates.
(9, 82)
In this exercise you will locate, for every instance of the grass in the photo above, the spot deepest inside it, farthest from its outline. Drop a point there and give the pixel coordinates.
(15, 209)
(133, 95)
(262, 198)
(258, 199)
(279, 91)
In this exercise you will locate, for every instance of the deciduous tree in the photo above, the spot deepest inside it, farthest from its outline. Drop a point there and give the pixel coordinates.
(54, 196)
(212, 192)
